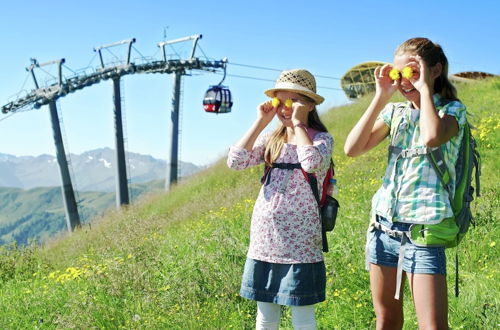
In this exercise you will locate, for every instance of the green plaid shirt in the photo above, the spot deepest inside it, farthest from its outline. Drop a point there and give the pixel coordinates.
(411, 191)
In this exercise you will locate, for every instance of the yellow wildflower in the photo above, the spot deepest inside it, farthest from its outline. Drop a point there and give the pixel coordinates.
(394, 74)
(275, 102)
(492, 244)
(407, 72)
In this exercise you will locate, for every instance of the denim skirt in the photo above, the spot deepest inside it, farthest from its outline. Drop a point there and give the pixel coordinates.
(284, 284)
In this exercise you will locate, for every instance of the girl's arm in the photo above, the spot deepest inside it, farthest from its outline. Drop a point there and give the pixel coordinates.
(318, 155)
(368, 131)
(249, 150)
(300, 113)
(265, 113)
(435, 130)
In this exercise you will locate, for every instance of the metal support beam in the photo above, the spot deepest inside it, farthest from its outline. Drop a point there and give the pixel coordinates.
(172, 166)
(122, 196)
(72, 218)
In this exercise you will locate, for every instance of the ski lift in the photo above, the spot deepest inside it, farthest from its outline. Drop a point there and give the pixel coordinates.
(218, 98)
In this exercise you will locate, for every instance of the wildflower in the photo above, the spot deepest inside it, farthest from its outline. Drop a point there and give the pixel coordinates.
(492, 244)
(407, 72)
(394, 74)
(275, 102)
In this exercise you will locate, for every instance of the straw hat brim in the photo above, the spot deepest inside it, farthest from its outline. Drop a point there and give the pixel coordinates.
(291, 87)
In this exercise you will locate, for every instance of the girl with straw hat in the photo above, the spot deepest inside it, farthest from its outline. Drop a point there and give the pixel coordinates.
(285, 263)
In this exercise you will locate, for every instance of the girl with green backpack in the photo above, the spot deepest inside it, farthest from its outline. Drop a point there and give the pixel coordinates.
(412, 216)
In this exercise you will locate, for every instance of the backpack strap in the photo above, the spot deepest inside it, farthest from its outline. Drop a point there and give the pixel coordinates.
(313, 183)
(404, 236)
(436, 158)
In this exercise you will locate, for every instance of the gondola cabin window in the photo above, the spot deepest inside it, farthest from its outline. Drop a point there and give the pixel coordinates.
(217, 99)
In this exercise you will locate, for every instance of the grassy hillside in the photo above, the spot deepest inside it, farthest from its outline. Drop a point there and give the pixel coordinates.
(34, 215)
(175, 261)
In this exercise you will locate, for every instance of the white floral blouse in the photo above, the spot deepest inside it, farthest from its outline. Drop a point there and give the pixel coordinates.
(285, 225)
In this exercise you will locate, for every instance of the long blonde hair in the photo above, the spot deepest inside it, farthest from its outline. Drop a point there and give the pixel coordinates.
(279, 136)
(432, 54)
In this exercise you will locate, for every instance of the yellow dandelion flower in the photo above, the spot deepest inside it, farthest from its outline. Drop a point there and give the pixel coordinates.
(407, 72)
(492, 244)
(275, 102)
(288, 103)
(394, 74)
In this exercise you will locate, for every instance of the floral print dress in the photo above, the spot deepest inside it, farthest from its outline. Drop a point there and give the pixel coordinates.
(286, 227)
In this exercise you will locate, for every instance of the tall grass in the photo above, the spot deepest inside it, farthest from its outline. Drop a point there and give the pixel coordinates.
(174, 261)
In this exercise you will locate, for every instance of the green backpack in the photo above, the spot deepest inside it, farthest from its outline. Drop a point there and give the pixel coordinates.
(450, 231)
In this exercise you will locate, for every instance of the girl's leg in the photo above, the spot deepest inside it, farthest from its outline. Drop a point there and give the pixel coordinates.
(268, 316)
(389, 311)
(303, 317)
(430, 297)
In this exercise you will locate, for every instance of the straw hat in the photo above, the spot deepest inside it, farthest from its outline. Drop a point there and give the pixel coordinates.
(298, 81)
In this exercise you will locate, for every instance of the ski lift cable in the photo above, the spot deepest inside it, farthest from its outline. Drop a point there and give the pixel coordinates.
(24, 83)
(8, 116)
(175, 51)
(113, 54)
(67, 67)
(156, 53)
(272, 80)
(92, 60)
(47, 72)
(201, 49)
(142, 56)
(277, 70)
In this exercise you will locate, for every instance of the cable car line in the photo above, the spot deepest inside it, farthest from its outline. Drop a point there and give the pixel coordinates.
(277, 70)
(272, 80)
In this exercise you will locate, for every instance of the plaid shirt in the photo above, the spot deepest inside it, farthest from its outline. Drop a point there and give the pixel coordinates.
(411, 191)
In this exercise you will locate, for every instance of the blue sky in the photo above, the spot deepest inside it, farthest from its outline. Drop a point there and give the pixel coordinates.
(325, 37)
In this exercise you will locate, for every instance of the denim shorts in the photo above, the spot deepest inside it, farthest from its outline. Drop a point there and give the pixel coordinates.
(383, 250)
(284, 284)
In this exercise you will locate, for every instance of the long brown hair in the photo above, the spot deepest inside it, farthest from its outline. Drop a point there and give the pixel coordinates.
(432, 54)
(279, 136)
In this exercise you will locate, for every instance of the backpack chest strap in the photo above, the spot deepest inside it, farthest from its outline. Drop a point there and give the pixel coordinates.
(409, 153)
(266, 178)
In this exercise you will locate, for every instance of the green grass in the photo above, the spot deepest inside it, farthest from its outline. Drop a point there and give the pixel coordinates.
(174, 261)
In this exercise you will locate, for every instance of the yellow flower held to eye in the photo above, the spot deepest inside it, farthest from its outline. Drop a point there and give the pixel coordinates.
(394, 74)
(288, 103)
(407, 72)
(275, 102)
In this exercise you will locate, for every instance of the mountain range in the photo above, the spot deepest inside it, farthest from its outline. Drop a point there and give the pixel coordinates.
(91, 171)
(31, 206)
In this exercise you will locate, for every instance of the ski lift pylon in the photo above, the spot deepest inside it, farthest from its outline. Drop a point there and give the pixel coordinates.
(218, 98)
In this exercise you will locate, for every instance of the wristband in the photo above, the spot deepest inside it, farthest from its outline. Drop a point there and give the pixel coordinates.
(300, 125)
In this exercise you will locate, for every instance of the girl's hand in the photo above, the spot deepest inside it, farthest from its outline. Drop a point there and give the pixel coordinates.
(266, 112)
(383, 83)
(422, 78)
(301, 111)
